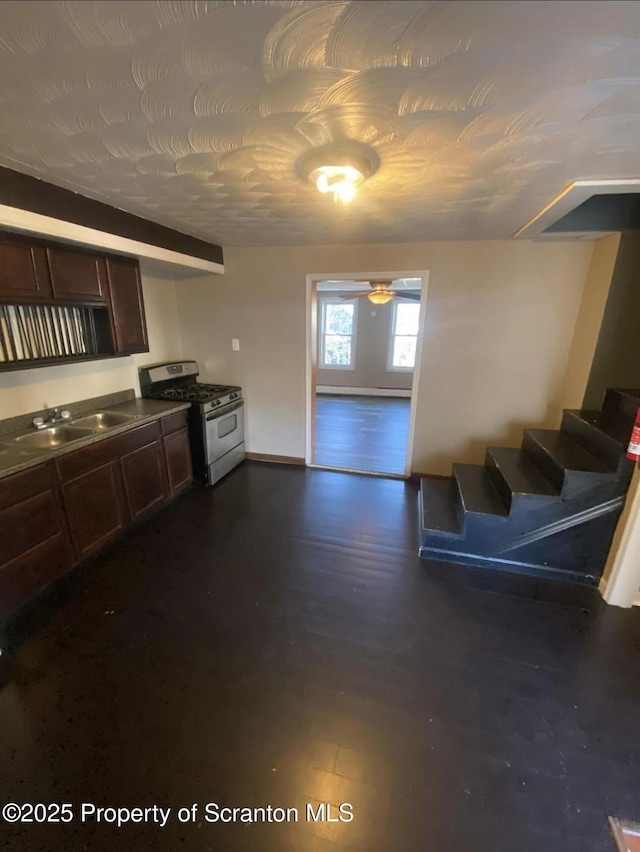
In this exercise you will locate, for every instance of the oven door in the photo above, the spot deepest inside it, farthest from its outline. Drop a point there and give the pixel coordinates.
(224, 430)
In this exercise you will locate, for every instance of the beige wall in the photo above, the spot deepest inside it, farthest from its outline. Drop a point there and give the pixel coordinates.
(615, 360)
(32, 390)
(371, 351)
(500, 320)
(592, 306)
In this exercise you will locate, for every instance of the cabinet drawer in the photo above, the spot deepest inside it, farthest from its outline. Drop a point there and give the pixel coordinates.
(14, 489)
(174, 422)
(105, 451)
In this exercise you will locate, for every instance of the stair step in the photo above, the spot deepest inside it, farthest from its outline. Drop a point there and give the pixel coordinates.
(515, 476)
(624, 401)
(476, 490)
(556, 453)
(438, 506)
(603, 434)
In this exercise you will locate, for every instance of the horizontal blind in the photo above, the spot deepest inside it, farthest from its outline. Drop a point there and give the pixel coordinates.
(45, 333)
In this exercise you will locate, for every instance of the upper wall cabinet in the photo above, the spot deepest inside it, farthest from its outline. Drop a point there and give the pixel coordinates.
(130, 327)
(61, 303)
(77, 276)
(24, 273)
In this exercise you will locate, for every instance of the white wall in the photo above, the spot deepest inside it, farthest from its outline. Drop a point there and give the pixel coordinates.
(31, 390)
(621, 577)
(499, 327)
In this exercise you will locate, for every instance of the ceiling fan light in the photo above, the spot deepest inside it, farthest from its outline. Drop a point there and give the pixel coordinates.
(380, 297)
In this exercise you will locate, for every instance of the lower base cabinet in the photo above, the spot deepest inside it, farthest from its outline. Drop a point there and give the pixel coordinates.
(144, 479)
(178, 457)
(94, 508)
(56, 514)
(34, 545)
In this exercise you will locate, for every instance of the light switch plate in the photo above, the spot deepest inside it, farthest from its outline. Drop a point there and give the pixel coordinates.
(235, 344)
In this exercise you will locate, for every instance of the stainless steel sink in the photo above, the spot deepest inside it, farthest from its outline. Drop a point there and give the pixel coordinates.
(54, 436)
(102, 420)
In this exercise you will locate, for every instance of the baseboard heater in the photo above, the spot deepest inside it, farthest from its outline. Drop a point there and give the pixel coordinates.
(346, 391)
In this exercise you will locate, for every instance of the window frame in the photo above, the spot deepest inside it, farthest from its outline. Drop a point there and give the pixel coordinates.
(392, 335)
(336, 300)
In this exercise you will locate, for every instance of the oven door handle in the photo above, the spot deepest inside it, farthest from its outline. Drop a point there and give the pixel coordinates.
(220, 412)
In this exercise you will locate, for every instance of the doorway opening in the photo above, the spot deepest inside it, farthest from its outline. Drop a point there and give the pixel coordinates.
(364, 345)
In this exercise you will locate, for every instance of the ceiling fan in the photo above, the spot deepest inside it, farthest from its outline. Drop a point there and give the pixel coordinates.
(381, 293)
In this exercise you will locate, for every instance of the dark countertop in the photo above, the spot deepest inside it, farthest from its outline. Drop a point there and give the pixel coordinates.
(145, 411)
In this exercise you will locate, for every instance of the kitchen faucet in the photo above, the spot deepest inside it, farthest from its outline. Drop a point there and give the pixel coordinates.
(54, 415)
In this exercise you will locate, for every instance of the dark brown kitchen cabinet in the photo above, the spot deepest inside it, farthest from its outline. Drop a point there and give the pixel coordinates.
(177, 450)
(94, 507)
(77, 276)
(144, 479)
(68, 304)
(56, 514)
(178, 455)
(34, 546)
(127, 306)
(24, 274)
(111, 483)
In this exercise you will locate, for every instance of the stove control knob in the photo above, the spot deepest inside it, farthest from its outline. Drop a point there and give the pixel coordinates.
(217, 402)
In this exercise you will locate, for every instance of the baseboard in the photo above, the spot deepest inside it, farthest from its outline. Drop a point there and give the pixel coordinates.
(416, 475)
(345, 391)
(267, 457)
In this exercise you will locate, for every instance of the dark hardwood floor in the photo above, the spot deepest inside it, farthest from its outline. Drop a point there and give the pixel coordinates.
(362, 432)
(276, 640)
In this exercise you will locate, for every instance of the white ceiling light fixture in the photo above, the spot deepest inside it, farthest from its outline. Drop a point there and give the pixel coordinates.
(338, 169)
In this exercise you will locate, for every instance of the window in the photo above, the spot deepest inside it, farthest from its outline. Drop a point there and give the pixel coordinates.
(404, 335)
(337, 334)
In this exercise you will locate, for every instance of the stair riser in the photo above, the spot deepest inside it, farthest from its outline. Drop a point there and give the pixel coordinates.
(554, 473)
(514, 500)
(594, 440)
(501, 485)
(625, 405)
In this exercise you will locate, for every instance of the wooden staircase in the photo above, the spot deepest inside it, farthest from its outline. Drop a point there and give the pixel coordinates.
(549, 508)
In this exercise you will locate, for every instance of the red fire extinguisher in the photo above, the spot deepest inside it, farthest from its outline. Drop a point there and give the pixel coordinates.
(633, 450)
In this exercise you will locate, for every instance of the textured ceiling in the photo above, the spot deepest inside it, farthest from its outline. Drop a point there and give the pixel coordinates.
(194, 113)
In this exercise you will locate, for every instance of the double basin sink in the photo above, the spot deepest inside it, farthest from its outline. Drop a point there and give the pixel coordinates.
(59, 434)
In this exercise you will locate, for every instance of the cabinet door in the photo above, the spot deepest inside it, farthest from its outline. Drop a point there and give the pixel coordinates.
(77, 276)
(34, 546)
(144, 481)
(178, 455)
(24, 274)
(95, 507)
(127, 306)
